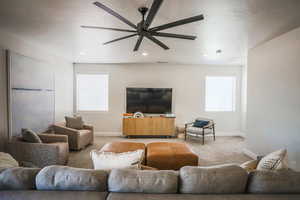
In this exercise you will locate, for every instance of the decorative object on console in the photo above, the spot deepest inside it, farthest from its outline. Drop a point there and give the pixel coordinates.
(110, 160)
(170, 115)
(128, 115)
(138, 115)
(191, 130)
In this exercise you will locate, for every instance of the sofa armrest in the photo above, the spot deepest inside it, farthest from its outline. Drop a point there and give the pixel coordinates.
(52, 138)
(40, 154)
(64, 130)
(88, 127)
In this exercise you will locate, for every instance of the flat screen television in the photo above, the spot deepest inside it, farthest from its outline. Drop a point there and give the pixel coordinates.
(149, 100)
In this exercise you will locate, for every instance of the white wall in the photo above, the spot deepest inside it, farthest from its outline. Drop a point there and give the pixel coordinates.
(274, 97)
(188, 86)
(63, 70)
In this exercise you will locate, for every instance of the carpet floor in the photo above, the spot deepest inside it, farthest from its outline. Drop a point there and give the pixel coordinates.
(223, 150)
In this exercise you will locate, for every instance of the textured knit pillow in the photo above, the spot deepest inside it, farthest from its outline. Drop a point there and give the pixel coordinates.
(30, 136)
(74, 122)
(274, 161)
(110, 160)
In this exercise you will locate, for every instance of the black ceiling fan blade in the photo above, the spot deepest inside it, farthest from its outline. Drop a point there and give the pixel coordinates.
(156, 41)
(110, 29)
(178, 23)
(153, 11)
(138, 43)
(110, 11)
(122, 38)
(171, 35)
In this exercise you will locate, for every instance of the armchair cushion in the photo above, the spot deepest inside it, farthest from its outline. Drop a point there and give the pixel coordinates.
(74, 122)
(30, 136)
(197, 130)
(200, 123)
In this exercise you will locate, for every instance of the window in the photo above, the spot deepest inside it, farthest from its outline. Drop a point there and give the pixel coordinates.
(92, 92)
(220, 93)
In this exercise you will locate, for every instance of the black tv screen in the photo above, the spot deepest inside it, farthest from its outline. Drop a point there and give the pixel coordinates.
(149, 100)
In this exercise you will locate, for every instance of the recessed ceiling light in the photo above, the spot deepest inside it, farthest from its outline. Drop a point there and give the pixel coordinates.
(205, 55)
(82, 53)
(145, 54)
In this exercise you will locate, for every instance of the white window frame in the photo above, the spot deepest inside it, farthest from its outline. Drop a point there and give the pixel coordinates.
(77, 94)
(234, 93)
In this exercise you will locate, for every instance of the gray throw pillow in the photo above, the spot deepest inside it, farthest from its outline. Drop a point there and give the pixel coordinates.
(30, 136)
(74, 122)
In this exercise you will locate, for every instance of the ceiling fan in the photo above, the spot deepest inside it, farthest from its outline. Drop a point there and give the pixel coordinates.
(142, 29)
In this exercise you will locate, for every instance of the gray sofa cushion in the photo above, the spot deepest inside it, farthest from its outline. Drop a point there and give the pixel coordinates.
(68, 178)
(221, 179)
(274, 182)
(139, 196)
(143, 181)
(18, 178)
(52, 195)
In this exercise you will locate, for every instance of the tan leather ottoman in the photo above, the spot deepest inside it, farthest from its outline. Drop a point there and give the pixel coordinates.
(120, 147)
(170, 156)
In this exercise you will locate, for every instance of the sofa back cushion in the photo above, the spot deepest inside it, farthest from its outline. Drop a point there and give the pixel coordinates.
(274, 182)
(68, 178)
(221, 179)
(18, 178)
(143, 181)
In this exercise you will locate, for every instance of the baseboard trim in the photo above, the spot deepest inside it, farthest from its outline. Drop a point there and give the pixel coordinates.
(230, 133)
(250, 153)
(218, 133)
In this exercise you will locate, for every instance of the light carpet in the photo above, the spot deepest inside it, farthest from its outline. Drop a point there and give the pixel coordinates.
(223, 150)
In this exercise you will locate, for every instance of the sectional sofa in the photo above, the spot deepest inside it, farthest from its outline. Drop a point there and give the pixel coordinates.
(225, 182)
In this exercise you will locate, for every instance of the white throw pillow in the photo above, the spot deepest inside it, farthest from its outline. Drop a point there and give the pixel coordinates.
(110, 160)
(274, 161)
(7, 161)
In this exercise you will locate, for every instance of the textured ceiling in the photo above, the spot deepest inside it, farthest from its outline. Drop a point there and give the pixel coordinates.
(230, 25)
